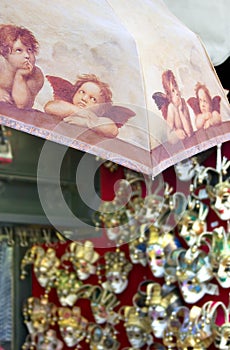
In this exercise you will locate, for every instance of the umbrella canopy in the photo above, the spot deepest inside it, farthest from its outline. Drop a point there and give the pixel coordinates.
(131, 84)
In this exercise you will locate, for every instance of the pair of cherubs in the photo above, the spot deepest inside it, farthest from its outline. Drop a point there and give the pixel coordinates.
(176, 112)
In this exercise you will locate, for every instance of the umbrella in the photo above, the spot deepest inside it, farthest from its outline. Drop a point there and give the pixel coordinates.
(153, 97)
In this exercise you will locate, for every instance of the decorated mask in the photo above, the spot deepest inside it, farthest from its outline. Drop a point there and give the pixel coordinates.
(117, 268)
(138, 327)
(102, 338)
(220, 199)
(193, 224)
(158, 246)
(39, 314)
(102, 303)
(83, 258)
(67, 285)
(220, 256)
(72, 325)
(186, 169)
(45, 265)
(161, 301)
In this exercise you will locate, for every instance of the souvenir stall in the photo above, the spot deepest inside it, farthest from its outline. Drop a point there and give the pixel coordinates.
(148, 282)
(114, 178)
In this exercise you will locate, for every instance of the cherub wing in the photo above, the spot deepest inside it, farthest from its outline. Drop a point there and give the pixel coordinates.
(62, 88)
(119, 114)
(216, 103)
(194, 104)
(162, 102)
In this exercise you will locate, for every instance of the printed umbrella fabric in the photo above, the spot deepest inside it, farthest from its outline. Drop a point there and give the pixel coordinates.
(160, 101)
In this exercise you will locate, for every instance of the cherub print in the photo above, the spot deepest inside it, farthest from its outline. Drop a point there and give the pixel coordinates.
(87, 103)
(206, 108)
(174, 108)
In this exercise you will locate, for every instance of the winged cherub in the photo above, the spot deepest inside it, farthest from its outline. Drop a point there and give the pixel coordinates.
(206, 108)
(174, 108)
(87, 103)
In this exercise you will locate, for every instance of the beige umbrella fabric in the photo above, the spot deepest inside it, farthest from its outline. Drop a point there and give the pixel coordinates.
(160, 100)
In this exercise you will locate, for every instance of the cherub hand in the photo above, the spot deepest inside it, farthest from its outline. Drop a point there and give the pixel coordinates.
(180, 134)
(5, 96)
(26, 70)
(76, 120)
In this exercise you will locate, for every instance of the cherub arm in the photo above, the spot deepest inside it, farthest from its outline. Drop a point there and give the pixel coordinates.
(101, 125)
(60, 108)
(27, 83)
(82, 117)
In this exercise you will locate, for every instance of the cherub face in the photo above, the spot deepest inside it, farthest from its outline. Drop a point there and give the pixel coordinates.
(88, 95)
(175, 94)
(21, 56)
(203, 101)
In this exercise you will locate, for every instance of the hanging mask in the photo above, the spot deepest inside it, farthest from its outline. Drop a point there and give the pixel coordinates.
(72, 325)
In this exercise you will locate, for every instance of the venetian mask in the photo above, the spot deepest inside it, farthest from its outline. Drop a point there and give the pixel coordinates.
(72, 325)
(220, 199)
(193, 272)
(45, 265)
(39, 314)
(49, 341)
(83, 258)
(67, 285)
(161, 300)
(103, 338)
(220, 256)
(102, 303)
(192, 223)
(187, 169)
(158, 246)
(117, 268)
(138, 327)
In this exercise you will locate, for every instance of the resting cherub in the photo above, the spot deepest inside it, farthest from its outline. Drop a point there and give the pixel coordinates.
(87, 103)
(206, 108)
(173, 108)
